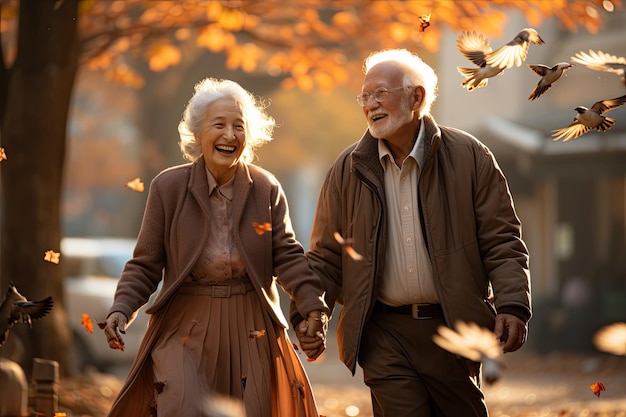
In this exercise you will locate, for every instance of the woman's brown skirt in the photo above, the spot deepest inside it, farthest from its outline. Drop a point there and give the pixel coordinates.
(227, 346)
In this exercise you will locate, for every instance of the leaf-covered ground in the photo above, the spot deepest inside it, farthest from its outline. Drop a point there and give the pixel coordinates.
(532, 385)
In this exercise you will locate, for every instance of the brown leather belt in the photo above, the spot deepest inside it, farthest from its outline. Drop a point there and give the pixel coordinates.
(217, 291)
(417, 311)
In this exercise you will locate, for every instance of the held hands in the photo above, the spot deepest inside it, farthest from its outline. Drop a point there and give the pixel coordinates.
(114, 325)
(311, 334)
(511, 331)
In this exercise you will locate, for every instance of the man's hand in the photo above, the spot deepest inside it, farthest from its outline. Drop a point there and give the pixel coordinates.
(114, 325)
(311, 334)
(511, 331)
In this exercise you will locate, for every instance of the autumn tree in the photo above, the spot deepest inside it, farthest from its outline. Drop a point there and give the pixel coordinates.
(307, 44)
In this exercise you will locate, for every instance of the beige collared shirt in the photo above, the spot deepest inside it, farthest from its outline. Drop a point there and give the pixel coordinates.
(407, 275)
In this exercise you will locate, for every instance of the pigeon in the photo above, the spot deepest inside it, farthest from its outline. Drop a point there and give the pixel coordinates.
(16, 308)
(611, 339)
(589, 119)
(474, 343)
(601, 61)
(475, 47)
(549, 75)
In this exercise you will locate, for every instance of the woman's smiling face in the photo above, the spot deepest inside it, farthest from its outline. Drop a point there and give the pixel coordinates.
(223, 138)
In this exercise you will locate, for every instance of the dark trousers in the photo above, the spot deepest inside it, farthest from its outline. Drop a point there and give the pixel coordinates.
(410, 376)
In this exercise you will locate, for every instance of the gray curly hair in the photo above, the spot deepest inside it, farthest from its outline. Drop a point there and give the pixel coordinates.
(258, 124)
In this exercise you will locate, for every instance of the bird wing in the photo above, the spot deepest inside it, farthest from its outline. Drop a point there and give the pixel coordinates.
(508, 55)
(605, 105)
(473, 46)
(469, 340)
(611, 339)
(539, 69)
(601, 61)
(574, 130)
(31, 310)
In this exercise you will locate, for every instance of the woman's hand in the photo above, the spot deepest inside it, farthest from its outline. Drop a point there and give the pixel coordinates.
(311, 334)
(115, 326)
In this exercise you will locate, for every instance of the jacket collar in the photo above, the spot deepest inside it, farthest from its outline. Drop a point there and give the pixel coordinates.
(199, 187)
(364, 157)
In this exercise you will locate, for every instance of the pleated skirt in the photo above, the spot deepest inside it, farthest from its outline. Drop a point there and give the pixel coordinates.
(227, 347)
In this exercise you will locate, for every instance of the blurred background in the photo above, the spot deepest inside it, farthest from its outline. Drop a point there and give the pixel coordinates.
(570, 196)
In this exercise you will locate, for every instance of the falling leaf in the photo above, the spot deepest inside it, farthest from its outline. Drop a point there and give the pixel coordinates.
(257, 334)
(135, 185)
(347, 245)
(262, 228)
(424, 22)
(87, 323)
(159, 386)
(597, 388)
(52, 256)
(3, 155)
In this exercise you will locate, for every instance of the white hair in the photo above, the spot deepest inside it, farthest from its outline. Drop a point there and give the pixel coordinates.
(418, 72)
(258, 124)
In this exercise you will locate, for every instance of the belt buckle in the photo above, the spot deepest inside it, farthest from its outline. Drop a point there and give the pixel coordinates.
(220, 291)
(415, 311)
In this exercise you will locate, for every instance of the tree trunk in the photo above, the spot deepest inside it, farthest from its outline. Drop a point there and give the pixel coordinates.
(34, 137)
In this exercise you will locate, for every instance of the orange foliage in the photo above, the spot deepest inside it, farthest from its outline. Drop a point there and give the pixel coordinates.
(262, 228)
(597, 388)
(299, 40)
(87, 323)
(52, 256)
(136, 185)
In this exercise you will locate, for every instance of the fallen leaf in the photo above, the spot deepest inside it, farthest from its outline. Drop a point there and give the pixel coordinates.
(135, 185)
(262, 228)
(87, 323)
(347, 245)
(597, 388)
(52, 256)
(257, 334)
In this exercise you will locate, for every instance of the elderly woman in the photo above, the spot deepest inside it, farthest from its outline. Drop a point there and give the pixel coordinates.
(216, 234)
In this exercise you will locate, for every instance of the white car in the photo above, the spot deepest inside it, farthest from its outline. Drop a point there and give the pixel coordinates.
(92, 267)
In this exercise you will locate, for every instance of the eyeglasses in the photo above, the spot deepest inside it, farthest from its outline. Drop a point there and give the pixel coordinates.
(380, 95)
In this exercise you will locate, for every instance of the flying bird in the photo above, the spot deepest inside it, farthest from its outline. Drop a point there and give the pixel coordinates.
(601, 61)
(549, 75)
(589, 119)
(611, 338)
(474, 343)
(16, 308)
(475, 47)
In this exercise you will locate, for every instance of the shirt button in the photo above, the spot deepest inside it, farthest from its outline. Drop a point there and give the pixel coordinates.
(406, 208)
(409, 239)
(411, 270)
